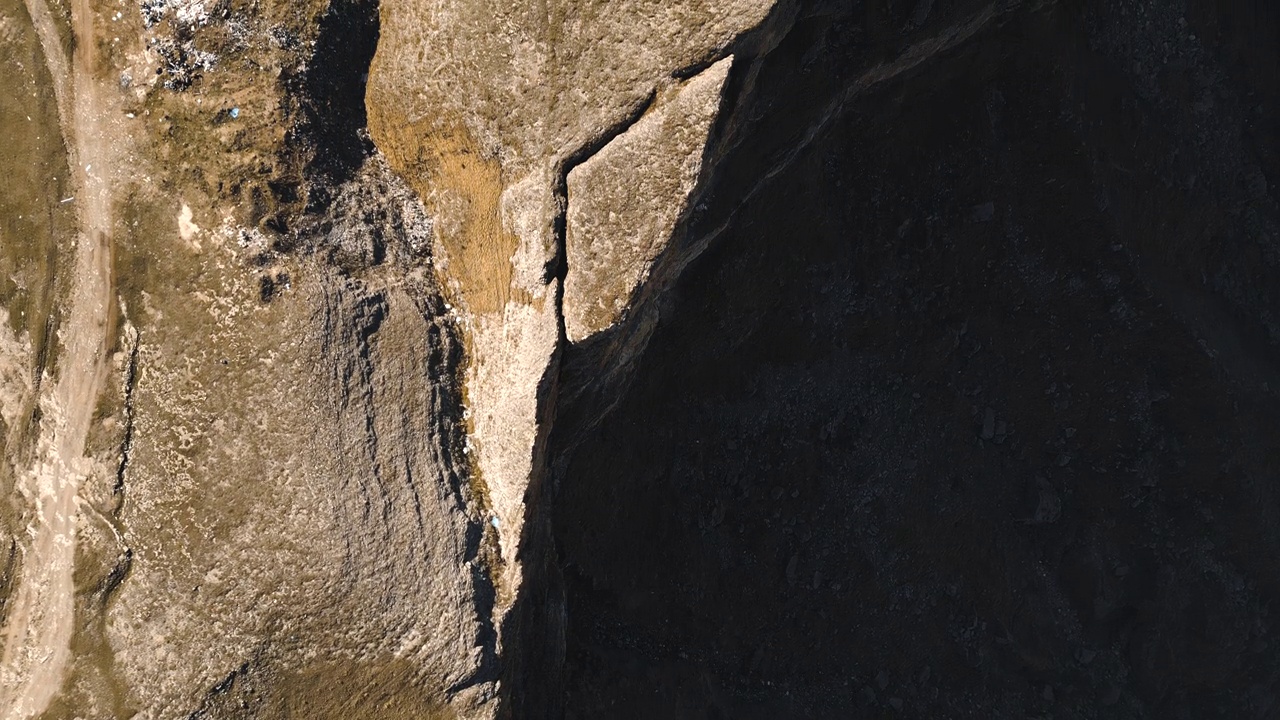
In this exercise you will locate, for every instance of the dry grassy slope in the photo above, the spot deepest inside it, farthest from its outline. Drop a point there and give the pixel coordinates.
(292, 499)
(458, 87)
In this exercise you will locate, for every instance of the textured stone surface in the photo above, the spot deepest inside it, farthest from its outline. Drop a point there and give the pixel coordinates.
(624, 201)
(481, 106)
(240, 424)
(922, 363)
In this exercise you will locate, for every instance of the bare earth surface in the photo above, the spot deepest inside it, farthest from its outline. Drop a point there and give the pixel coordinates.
(40, 624)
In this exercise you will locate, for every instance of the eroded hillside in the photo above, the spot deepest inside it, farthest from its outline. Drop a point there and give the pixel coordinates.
(698, 358)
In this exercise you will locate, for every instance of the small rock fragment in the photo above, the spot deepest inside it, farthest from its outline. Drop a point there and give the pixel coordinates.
(983, 213)
(1049, 506)
(921, 13)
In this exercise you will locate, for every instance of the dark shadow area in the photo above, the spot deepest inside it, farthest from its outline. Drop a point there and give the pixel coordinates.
(970, 412)
(331, 95)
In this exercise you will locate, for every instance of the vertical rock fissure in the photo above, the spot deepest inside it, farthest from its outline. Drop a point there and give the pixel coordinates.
(535, 630)
(126, 445)
(559, 268)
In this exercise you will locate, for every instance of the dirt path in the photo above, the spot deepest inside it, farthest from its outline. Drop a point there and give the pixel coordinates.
(41, 619)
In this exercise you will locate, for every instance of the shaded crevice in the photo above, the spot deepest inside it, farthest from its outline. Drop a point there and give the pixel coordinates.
(910, 59)
(534, 627)
(558, 268)
(126, 447)
(331, 93)
(446, 352)
(592, 378)
(124, 562)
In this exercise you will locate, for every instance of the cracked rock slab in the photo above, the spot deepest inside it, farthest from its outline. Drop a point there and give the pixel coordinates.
(625, 201)
(483, 107)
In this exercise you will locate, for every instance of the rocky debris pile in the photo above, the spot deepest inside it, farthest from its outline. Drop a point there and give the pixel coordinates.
(181, 62)
(183, 12)
(174, 24)
(374, 218)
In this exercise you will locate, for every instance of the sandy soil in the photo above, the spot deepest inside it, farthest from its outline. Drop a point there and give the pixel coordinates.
(38, 634)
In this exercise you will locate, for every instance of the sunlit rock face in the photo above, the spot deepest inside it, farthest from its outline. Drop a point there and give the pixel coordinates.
(624, 202)
(483, 108)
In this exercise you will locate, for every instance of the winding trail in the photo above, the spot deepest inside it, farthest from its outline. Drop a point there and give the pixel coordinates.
(42, 614)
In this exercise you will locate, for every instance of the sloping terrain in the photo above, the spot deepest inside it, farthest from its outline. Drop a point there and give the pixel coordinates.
(970, 411)
(695, 358)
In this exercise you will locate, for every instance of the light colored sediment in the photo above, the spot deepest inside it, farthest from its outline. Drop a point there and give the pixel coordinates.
(15, 371)
(41, 616)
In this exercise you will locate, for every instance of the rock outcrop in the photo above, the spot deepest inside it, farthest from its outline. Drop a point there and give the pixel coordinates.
(625, 200)
(485, 108)
(645, 358)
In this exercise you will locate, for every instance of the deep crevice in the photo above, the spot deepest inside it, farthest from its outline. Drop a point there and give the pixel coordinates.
(557, 268)
(126, 447)
(534, 626)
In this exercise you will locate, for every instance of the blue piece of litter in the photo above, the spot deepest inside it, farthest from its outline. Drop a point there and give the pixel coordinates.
(235, 113)
(493, 521)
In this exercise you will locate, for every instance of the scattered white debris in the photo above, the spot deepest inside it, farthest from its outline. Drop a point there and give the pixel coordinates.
(185, 12)
(66, 200)
(186, 228)
(235, 113)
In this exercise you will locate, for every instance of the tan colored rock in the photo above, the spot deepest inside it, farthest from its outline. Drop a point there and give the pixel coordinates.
(625, 201)
(274, 515)
(480, 106)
